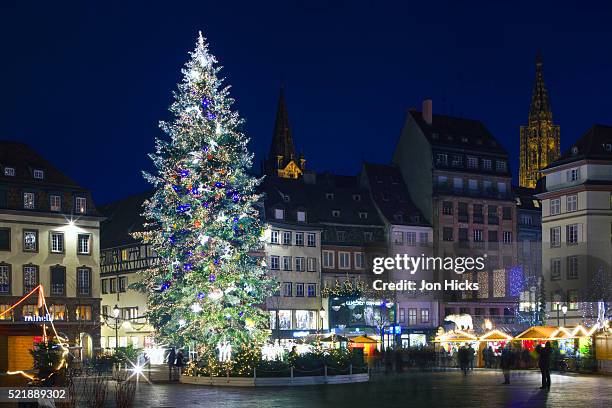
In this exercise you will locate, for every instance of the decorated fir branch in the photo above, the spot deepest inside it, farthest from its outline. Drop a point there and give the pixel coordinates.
(357, 288)
(202, 220)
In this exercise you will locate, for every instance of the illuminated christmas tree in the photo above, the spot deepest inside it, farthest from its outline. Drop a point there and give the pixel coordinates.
(203, 222)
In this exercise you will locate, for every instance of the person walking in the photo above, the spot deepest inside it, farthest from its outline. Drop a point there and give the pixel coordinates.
(180, 362)
(506, 363)
(463, 359)
(170, 359)
(471, 353)
(544, 364)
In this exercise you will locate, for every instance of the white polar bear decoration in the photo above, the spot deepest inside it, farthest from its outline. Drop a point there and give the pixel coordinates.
(462, 321)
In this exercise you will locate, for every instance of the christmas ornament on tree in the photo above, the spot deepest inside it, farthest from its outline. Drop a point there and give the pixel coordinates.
(203, 220)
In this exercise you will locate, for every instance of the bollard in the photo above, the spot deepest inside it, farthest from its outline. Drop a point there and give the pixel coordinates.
(255, 372)
(291, 372)
(325, 370)
(350, 369)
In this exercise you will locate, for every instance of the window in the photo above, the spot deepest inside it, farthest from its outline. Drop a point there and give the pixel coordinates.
(305, 320)
(477, 235)
(328, 259)
(286, 198)
(457, 161)
(123, 283)
(55, 203)
(500, 165)
(286, 263)
(83, 312)
(507, 213)
(312, 290)
(363, 215)
(359, 260)
(311, 264)
(83, 244)
(399, 217)
(58, 312)
(30, 240)
(572, 297)
(572, 267)
(356, 197)
(28, 201)
(287, 289)
(84, 281)
(447, 234)
(486, 164)
(58, 280)
(573, 174)
(274, 262)
(472, 162)
(30, 278)
(555, 206)
(38, 174)
(29, 311)
(80, 205)
(447, 207)
(341, 235)
(493, 236)
(4, 313)
(507, 237)
(367, 236)
(104, 286)
(442, 180)
(412, 317)
(463, 235)
(526, 219)
(344, 260)
(299, 290)
(5, 239)
(112, 285)
(402, 315)
(424, 315)
(442, 158)
(329, 196)
(299, 238)
(299, 264)
(5, 279)
(457, 183)
(398, 237)
(487, 186)
(57, 242)
(411, 238)
(555, 268)
(301, 216)
(312, 239)
(274, 237)
(279, 214)
(9, 171)
(572, 203)
(286, 237)
(423, 238)
(572, 234)
(335, 213)
(473, 184)
(492, 214)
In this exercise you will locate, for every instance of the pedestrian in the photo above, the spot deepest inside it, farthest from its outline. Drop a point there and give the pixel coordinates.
(463, 359)
(544, 364)
(170, 359)
(398, 361)
(485, 357)
(180, 362)
(471, 352)
(506, 363)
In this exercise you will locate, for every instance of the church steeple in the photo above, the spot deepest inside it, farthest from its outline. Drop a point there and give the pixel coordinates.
(282, 160)
(540, 139)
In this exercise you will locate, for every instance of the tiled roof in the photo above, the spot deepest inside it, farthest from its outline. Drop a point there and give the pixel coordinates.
(595, 144)
(123, 217)
(25, 160)
(462, 133)
(391, 195)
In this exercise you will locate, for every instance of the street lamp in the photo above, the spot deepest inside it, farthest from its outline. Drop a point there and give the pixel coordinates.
(321, 316)
(558, 321)
(564, 310)
(116, 312)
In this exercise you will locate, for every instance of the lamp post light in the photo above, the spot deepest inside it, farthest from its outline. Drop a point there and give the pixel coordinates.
(321, 317)
(564, 310)
(558, 321)
(116, 312)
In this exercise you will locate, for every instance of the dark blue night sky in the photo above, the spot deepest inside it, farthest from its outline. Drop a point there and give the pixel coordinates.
(86, 84)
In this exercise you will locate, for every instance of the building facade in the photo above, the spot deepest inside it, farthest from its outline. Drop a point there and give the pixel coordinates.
(576, 228)
(49, 236)
(122, 258)
(458, 176)
(540, 139)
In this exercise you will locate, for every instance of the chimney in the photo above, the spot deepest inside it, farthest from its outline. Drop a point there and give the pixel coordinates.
(427, 111)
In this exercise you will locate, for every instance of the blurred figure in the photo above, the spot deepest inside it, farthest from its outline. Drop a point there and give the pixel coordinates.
(470, 355)
(506, 363)
(544, 364)
(170, 359)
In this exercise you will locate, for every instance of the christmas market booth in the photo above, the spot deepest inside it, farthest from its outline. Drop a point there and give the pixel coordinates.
(452, 340)
(603, 350)
(366, 343)
(496, 339)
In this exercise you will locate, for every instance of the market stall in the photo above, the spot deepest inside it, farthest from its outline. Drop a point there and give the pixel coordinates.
(496, 340)
(366, 343)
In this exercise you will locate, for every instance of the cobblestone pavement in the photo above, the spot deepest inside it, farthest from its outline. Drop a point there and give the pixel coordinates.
(482, 388)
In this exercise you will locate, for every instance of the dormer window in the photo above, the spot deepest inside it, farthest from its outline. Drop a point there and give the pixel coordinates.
(29, 201)
(335, 213)
(486, 164)
(363, 215)
(329, 196)
(399, 217)
(464, 139)
(286, 198)
(301, 216)
(356, 197)
(472, 162)
(38, 174)
(500, 165)
(279, 213)
(9, 171)
(80, 204)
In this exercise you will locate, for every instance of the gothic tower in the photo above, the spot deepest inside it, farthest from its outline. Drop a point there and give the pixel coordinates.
(540, 139)
(282, 160)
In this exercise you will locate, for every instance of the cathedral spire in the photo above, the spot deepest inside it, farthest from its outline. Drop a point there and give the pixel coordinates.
(540, 105)
(282, 141)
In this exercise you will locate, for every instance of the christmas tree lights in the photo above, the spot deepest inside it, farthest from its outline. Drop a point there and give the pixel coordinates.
(203, 222)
